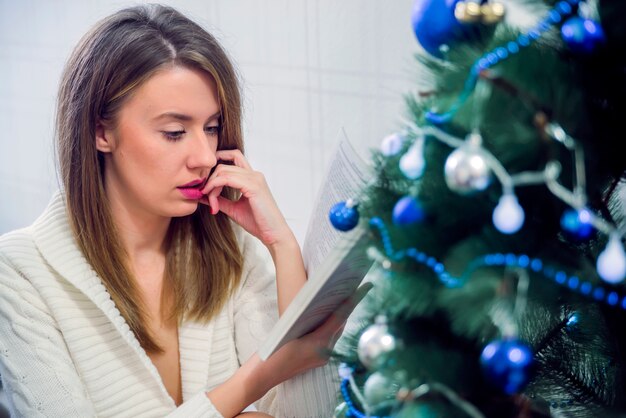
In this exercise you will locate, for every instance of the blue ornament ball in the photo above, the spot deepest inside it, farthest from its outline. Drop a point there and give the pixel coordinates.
(407, 210)
(435, 25)
(582, 35)
(344, 215)
(507, 364)
(576, 224)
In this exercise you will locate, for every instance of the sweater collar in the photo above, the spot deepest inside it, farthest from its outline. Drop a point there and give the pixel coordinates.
(56, 243)
(53, 237)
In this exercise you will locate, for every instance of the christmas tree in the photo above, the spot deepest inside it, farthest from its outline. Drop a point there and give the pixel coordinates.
(494, 221)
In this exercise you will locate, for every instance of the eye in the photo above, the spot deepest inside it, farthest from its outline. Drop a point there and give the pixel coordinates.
(213, 130)
(173, 135)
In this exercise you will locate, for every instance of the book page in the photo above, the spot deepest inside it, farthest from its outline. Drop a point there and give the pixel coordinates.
(337, 286)
(335, 280)
(336, 261)
(346, 175)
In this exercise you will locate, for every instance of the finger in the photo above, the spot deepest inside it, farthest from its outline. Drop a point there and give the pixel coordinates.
(335, 337)
(346, 308)
(212, 197)
(235, 177)
(214, 207)
(249, 183)
(211, 191)
(225, 205)
(338, 318)
(204, 200)
(326, 349)
(235, 156)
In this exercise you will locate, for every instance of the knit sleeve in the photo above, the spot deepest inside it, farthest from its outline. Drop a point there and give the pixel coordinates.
(312, 394)
(37, 371)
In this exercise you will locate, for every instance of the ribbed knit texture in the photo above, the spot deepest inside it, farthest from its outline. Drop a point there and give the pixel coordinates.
(65, 350)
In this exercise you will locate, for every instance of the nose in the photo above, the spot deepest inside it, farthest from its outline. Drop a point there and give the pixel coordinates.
(201, 151)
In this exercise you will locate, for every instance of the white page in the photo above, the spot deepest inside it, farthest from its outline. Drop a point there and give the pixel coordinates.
(346, 175)
(336, 262)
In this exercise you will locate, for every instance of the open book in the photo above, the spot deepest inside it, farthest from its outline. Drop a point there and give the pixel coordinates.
(335, 261)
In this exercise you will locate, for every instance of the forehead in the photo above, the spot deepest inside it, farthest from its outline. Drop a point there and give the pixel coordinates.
(175, 88)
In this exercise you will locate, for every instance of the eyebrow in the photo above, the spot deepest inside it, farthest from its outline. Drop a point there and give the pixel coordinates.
(185, 118)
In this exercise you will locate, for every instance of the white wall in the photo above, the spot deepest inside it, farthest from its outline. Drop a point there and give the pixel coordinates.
(310, 67)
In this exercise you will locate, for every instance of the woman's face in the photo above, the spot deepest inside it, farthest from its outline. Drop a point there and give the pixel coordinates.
(162, 146)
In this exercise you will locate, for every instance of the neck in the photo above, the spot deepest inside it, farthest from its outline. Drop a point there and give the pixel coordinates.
(141, 234)
(141, 239)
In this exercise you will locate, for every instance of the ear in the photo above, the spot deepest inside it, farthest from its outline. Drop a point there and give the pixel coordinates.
(104, 138)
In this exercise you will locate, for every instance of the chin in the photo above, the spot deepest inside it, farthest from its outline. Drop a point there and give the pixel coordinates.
(185, 209)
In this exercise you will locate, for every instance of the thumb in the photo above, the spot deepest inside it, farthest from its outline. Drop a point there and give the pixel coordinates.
(346, 308)
(341, 314)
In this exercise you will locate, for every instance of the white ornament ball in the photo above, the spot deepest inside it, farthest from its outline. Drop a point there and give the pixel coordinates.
(341, 410)
(611, 264)
(508, 216)
(375, 344)
(466, 170)
(345, 371)
(391, 145)
(412, 163)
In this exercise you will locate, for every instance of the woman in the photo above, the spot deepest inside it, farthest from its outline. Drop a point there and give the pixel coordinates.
(143, 290)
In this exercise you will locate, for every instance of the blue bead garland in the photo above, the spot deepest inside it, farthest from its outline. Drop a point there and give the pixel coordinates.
(493, 57)
(422, 258)
(524, 261)
(352, 411)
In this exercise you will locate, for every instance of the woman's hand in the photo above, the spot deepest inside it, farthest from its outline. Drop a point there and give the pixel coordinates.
(256, 210)
(311, 350)
(255, 377)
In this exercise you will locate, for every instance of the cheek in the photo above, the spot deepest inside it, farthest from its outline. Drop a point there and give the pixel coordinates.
(138, 164)
(139, 147)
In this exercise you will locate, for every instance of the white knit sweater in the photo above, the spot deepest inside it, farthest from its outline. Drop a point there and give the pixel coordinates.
(65, 350)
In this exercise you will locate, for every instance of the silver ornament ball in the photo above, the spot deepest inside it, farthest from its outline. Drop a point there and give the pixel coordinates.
(379, 388)
(466, 170)
(375, 344)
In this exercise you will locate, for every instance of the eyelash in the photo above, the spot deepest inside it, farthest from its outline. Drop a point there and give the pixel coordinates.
(177, 135)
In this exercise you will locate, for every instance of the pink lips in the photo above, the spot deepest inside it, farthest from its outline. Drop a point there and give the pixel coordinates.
(191, 190)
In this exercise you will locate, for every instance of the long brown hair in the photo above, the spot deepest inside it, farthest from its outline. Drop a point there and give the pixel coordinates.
(203, 263)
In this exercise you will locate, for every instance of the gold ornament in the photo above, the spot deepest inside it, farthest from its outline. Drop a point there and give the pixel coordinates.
(492, 13)
(469, 12)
